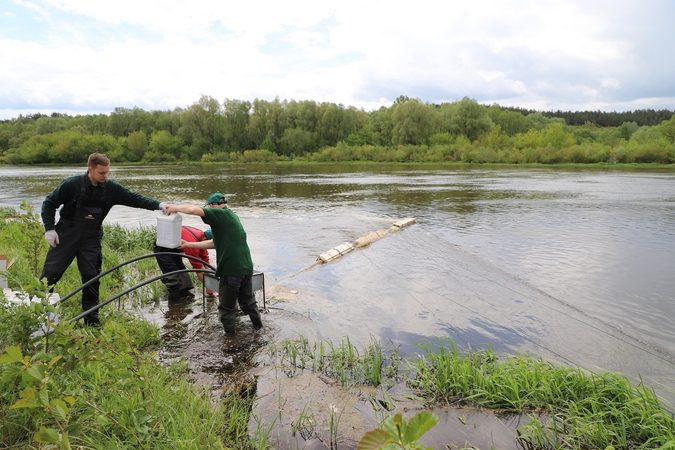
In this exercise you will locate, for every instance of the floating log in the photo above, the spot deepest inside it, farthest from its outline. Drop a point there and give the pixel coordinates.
(336, 252)
(363, 241)
(403, 222)
(369, 238)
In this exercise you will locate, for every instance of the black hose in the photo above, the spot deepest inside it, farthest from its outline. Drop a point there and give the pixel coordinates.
(111, 299)
(138, 258)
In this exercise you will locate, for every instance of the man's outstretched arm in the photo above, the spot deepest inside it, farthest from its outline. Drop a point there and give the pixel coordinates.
(201, 244)
(185, 209)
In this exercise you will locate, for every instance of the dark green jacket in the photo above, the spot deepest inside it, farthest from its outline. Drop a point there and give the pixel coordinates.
(229, 237)
(68, 191)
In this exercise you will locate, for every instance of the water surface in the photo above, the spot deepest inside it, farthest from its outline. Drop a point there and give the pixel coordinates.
(575, 265)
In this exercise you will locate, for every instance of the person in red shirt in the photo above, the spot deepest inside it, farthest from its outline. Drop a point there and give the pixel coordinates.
(192, 234)
(180, 285)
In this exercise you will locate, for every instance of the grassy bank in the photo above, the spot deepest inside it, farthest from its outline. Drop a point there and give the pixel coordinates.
(568, 407)
(98, 388)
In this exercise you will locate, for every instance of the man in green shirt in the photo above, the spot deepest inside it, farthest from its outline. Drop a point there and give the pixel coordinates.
(86, 200)
(234, 265)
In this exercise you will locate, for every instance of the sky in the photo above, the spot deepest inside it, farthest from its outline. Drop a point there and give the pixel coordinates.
(92, 56)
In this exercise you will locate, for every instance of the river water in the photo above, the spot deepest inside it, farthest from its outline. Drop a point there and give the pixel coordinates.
(573, 264)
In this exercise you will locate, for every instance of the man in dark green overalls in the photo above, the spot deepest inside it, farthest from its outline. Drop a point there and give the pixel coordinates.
(86, 201)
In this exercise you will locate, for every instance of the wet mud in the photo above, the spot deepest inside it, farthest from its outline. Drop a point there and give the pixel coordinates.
(304, 407)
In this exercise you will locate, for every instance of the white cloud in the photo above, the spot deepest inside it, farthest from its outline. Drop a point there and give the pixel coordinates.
(163, 54)
(489, 75)
(518, 87)
(170, 16)
(610, 83)
(30, 5)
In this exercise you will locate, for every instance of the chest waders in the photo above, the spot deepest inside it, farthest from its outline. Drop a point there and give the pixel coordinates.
(233, 290)
(80, 237)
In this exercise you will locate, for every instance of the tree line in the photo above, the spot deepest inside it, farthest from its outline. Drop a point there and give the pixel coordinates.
(408, 130)
(641, 117)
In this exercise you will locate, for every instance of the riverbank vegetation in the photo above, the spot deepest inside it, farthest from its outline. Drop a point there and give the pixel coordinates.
(407, 131)
(80, 387)
(103, 387)
(568, 408)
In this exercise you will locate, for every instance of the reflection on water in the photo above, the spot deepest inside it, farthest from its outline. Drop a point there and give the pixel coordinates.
(575, 265)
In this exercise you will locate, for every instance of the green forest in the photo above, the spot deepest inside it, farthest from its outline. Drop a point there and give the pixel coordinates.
(407, 131)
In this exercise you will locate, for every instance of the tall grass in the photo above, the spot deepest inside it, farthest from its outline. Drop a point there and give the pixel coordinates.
(120, 396)
(8, 212)
(569, 408)
(103, 388)
(129, 241)
(341, 361)
(583, 410)
(122, 244)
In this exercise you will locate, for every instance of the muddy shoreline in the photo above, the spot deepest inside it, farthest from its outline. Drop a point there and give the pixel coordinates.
(301, 405)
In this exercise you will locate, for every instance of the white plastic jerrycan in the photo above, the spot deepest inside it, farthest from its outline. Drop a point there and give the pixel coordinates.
(169, 230)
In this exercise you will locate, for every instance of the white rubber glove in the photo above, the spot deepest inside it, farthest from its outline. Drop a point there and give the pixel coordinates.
(52, 237)
(163, 206)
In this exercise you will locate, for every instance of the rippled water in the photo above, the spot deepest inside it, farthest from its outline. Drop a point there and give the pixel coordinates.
(573, 264)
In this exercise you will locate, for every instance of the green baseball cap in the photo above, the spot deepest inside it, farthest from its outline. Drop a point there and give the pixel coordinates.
(216, 197)
(208, 234)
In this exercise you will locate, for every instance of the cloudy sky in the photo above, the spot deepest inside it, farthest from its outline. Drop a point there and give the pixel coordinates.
(91, 56)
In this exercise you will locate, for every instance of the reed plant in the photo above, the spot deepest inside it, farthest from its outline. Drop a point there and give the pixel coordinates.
(8, 212)
(304, 426)
(122, 244)
(129, 241)
(342, 361)
(581, 410)
(260, 438)
(334, 425)
(237, 411)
